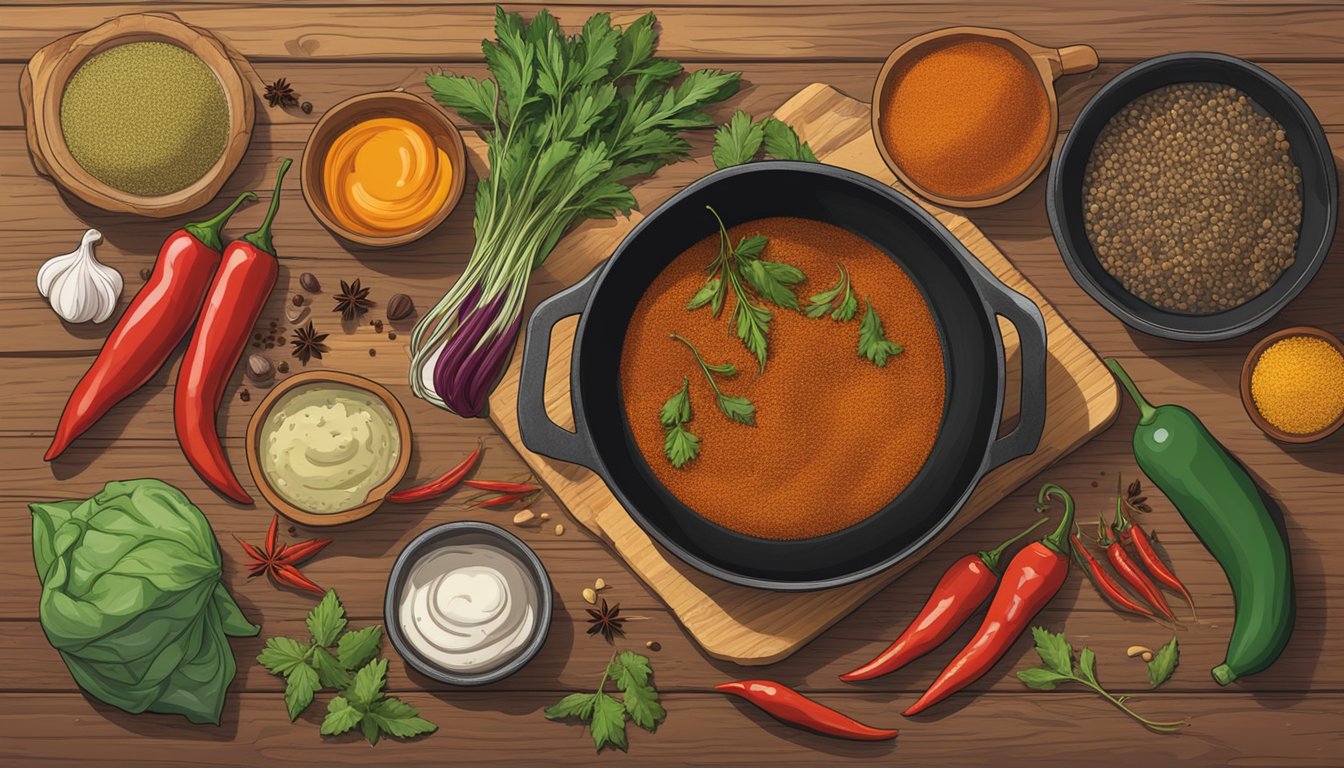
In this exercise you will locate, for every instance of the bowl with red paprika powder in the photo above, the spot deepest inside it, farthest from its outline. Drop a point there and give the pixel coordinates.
(967, 116)
(831, 456)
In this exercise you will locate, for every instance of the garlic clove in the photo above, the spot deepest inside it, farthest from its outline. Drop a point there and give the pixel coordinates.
(79, 287)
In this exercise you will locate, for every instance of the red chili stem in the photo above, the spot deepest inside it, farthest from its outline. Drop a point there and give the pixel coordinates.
(1030, 580)
(151, 327)
(446, 482)
(246, 275)
(1106, 585)
(502, 487)
(965, 586)
(792, 708)
(1130, 571)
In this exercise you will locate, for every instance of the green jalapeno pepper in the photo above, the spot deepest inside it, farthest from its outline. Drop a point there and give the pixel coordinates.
(1223, 506)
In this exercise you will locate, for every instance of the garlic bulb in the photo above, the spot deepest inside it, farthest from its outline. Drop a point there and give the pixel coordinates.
(80, 288)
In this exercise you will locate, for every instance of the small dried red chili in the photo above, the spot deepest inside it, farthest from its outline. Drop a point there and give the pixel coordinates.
(278, 560)
(1130, 532)
(964, 587)
(446, 482)
(504, 500)
(1030, 580)
(502, 487)
(1130, 571)
(1107, 585)
(792, 708)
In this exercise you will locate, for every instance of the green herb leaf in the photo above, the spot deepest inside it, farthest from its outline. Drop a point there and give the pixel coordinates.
(341, 717)
(608, 722)
(771, 279)
(680, 446)
(737, 141)
(749, 248)
(677, 409)
(578, 705)
(726, 370)
(327, 619)
(705, 295)
(282, 656)
(300, 686)
(739, 409)
(848, 307)
(1042, 679)
(473, 99)
(1087, 665)
(781, 142)
(397, 718)
(873, 342)
(357, 648)
(1054, 650)
(838, 300)
(632, 674)
(368, 684)
(1164, 663)
(369, 727)
(330, 672)
(753, 323)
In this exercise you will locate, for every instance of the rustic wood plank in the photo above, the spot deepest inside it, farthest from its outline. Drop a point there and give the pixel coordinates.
(814, 32)
(479, 728)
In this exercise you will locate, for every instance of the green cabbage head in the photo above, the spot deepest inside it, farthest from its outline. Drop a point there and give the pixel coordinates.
(132, 599)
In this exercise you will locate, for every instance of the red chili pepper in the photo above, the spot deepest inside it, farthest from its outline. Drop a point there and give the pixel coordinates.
(1106, 585)
(502, 487)
(964, 587)
(1032, 578)
(1130, 571)
(504, 500)
(444, 484)
(792, 708)
(1130, 532)
(245, 278)
(155, 321)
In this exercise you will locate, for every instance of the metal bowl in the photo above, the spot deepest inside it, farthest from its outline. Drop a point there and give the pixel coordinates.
(1309, 149)
(467, 530)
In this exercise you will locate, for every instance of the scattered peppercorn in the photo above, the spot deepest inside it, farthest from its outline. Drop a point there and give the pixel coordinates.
(654, 645)
(307, 107)
(145, 273)
(378, 326)
(297, 300)
(373, 352)
(392, 335)
(283, 367)
(308, 281)
(1191, 198)
(244, 396)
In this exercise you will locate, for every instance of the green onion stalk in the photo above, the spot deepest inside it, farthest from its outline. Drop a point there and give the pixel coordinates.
(567, 120)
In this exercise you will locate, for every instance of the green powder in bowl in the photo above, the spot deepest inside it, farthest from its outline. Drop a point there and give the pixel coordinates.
(148, 118)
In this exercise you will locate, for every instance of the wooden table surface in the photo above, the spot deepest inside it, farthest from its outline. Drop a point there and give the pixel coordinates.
(1288, 715)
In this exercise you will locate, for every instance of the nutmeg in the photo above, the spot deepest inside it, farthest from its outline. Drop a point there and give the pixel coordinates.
(400, 307)
(259, 369)
(308, 282)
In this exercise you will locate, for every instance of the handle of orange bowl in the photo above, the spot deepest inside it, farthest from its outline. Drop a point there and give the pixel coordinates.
(1026, 317)
(539, 433)
(1074, 59)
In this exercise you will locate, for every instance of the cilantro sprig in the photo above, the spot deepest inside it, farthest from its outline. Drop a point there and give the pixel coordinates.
(680, 446)
(606, 714)
(741, 139)
(873, 343)
(738, 409)
(341, 660)
(739, 267)
(1059, 666)
(837, 301)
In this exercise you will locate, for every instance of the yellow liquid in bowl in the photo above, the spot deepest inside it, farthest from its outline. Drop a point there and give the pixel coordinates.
(385, 176)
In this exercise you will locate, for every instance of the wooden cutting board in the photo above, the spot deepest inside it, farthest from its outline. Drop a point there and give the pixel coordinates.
(752, 626)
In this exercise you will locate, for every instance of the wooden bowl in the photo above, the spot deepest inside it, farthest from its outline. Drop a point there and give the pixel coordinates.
(1248, 401)
(1050, 63)
(43, 83)
(365, 107)
(376, 494)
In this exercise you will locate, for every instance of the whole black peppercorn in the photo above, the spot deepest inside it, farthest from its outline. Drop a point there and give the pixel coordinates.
(283, 367)
(297, 300)
(307, 107)
(244, 396)
(392, 334)
(308, 281)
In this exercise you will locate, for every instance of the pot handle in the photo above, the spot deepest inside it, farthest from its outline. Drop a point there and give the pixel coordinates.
(539, 433)
(1023, 313)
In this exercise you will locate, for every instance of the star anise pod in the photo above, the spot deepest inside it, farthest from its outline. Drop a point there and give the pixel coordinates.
(280, 561)
(607, 621)
(352, 301)
(308, 343)
(281, 94)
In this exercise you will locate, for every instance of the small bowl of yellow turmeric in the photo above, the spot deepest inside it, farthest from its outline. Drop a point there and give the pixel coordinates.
(1292, 384)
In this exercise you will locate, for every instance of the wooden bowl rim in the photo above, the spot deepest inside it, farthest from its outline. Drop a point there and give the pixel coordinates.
(345, 114)
(130, 28)
(376, 495)
(1248, 400)
(1037, 56)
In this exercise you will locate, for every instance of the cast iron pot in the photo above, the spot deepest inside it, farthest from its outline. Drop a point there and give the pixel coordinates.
(963, 295)
(1308, 148)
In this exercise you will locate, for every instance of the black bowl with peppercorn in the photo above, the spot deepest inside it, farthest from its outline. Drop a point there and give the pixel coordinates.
(1194, 197)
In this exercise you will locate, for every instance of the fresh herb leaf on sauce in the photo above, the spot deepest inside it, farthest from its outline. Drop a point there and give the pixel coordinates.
(873, 343)
(838, 301)
(680, 446)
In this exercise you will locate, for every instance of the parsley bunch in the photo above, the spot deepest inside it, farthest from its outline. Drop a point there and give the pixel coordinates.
(604, 713)
(568, 119)
(309, 667)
